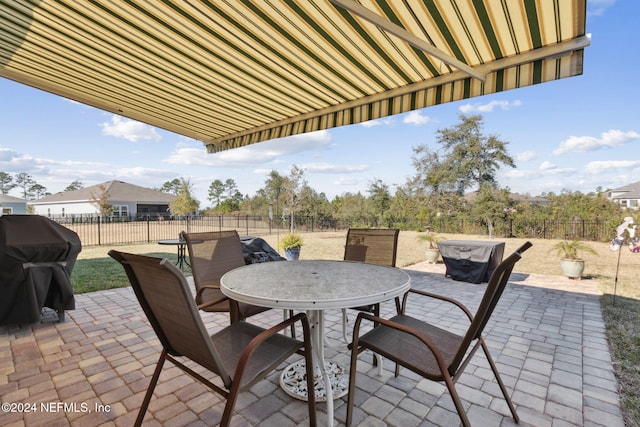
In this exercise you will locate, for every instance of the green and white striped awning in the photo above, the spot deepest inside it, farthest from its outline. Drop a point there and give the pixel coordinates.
(232, 73)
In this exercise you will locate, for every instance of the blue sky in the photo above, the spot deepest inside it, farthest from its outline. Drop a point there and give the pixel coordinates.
(577, 134)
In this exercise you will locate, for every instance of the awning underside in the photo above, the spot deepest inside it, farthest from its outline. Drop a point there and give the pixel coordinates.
(232, 73)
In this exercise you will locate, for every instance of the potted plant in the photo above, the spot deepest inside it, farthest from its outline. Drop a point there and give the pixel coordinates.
(570, 263)
(291, 243)
(432, 252)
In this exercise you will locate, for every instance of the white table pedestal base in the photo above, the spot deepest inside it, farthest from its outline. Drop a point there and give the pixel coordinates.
(293, 381)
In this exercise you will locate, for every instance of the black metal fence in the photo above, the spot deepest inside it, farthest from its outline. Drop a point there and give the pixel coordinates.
(94, 230)
(593, 230)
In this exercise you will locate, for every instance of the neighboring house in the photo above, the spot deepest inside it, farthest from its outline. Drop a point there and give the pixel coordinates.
(627, 197)
(12, 205)
(128, 200)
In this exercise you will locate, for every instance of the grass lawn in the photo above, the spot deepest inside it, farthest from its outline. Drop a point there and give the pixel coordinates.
(95, 270)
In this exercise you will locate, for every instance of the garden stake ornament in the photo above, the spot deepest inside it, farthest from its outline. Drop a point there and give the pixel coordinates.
(623, 232)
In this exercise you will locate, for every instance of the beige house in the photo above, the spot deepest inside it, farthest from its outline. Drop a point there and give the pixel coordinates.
(628, 197)
(128, 201)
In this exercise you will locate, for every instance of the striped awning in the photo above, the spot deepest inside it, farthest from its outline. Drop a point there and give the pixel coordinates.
(231, 73)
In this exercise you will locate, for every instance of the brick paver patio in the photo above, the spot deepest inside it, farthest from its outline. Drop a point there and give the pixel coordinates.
(547, 336)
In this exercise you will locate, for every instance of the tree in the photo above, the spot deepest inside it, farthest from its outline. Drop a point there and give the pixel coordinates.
(466, 160)
(184, 204)
(472, 158)
(75, 185)
(38, 191)
(225, 197)
(216, 192)
(25, 181)
(6, 183)
(292, 187)
(490, 204)
(101, 200)
(273, 191)
(380, 198)
(173, 187)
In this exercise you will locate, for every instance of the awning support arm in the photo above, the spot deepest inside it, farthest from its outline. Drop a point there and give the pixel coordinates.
(403, 34)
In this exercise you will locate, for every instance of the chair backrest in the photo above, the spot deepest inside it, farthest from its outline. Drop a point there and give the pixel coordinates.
(165, 298)
(212, 254)
(373, 246)
(492, 294)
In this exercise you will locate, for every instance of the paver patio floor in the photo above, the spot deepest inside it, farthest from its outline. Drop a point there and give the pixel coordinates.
(547, 336)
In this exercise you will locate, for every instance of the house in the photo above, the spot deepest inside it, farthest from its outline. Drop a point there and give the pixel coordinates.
(12, 205)
(628, 197)
(127, 200)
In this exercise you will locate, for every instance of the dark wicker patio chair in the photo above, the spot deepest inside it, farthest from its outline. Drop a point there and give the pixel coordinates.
(211, 255)
(372, 246)
(240, 354)
(429, 351)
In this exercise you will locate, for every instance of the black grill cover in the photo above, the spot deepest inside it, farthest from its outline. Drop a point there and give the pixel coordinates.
(37, 256)
(256, 249)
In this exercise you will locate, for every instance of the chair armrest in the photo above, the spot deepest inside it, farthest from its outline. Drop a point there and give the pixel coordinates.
(215, 301)
(437, 296)
(263, 336)
(202, 289)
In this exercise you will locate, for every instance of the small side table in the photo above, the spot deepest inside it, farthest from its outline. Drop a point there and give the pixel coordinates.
(182, 251)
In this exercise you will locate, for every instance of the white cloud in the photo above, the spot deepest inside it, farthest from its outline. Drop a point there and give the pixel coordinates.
(598, 167)
(346, 181)
(7, 155)
(547, 166)
(609, 139)
(333, 168)
(598, 7)
(387, 121)
(130, 130)
(487, 108)
(263, 152)
(416, 118)
(525, 156)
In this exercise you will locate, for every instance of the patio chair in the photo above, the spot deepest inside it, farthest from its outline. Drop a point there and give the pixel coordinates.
(240, 354)
(429, 351)
(372, 246)
(211, 255)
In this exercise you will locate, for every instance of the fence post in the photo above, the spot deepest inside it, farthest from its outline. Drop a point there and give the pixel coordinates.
(99, 222)
(148, 230)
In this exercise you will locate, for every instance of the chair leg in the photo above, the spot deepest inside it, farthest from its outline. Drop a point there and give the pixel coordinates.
(231, 403)
(152, 386)
(456, 400)
(293, 326)
(499, 379)
(377, 358)
(352, 382)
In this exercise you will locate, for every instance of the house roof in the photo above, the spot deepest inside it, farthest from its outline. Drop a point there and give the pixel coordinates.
(10, 199)
(118, 191)
(631, 191)
(236, 73)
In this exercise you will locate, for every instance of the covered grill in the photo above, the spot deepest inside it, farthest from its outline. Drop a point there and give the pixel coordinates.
(37, 257)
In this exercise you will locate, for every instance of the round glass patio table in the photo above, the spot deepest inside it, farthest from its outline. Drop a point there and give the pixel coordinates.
(315, 286)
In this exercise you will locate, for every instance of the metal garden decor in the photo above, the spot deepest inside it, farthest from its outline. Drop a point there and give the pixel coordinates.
(625, 235)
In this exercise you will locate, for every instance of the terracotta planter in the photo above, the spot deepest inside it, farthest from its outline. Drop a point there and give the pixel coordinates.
(572, 268)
